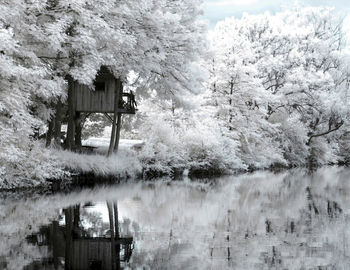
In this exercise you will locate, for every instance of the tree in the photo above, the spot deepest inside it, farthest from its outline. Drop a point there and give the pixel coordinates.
(23, 81)
(156, 40)
(240, 99)
(286, 75)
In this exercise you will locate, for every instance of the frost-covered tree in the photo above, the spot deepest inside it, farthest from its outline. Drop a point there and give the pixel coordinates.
(279, 84)
(157, 40)
(239, 96)
(45, 45)
(23, 79)
(184, 137)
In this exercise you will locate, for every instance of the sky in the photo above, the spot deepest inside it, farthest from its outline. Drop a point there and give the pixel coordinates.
(216, 10)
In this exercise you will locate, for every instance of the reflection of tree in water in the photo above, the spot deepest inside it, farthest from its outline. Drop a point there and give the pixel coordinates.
(303, 228)
(74, 246)
(290, 222)
(93, 222)
(166, 257)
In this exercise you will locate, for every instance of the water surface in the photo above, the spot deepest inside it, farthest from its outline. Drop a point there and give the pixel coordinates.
(289, 220)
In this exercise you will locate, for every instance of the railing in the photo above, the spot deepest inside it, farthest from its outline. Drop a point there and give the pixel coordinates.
(127, 103)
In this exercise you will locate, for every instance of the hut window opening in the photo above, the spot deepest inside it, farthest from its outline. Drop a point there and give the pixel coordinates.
(100, 86)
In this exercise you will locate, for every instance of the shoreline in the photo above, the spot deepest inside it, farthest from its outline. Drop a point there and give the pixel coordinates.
(91, 179)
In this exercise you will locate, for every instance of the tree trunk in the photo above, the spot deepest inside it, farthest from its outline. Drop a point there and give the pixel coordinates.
(230, 102)
(58, 123)
(111, 226)
(78, 130)
(55, 244)
(111, 143)
(71, 115)
(117, 136)
(69, 242)
(116, 226)
(119, 119)
(76, 219)
(49, 133)
(117, 93)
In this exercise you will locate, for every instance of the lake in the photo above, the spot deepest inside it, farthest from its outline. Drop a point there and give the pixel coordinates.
(263, 220)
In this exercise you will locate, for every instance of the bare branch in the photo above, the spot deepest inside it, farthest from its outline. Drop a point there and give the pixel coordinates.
(337, 126)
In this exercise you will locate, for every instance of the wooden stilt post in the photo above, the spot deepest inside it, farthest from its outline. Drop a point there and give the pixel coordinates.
(111, 143)
(116, 103)
(117, 135)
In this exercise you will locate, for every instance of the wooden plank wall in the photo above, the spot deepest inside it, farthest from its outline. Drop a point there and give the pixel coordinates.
(85, 250)
(95, 101)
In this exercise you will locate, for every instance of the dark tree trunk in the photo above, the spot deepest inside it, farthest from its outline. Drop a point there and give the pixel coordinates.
(116, 226)
(117, 93)
(70, 145)
(111, 143)
(49, 133)
(117, 135)
(111, 227)
(69, 244)
(119, 120)
(58, 123)
(230, 102)
(76, 220)
(55, 242)
(78, 130)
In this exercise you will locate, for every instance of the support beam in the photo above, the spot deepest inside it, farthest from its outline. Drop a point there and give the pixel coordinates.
(108, 117)
(117, 93)
(117, 136)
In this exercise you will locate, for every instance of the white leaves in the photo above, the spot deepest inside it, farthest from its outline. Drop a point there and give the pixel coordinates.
(41, 42)
(281, 68)
(7, 41)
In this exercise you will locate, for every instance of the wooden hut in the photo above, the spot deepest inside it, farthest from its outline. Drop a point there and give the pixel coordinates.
(101, 98)
(95, 253)
(106, 96)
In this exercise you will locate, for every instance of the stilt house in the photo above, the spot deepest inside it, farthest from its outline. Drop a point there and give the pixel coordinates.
(101, 99)
(106, 97)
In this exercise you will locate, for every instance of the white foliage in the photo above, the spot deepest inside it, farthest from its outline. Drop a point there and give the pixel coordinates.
(124, 164)
(41, 42)
(181, 140)
(279, 82)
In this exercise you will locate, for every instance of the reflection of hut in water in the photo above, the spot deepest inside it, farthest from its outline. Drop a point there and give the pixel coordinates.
(73, 248)
(96, 253)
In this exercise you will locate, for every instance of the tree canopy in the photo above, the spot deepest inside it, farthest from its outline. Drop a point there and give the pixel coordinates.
(43, 42)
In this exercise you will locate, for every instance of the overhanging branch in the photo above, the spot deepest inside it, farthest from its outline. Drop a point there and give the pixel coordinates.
(337, 126)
